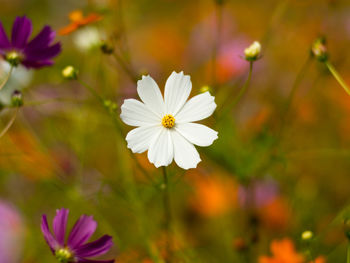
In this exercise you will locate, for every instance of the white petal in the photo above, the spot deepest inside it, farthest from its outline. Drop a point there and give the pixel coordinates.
(177, 89)
(185, 154)
(197, 134)
(161, 151)
(135, 113)
(197, 108)
(150, 94)
(139, 139)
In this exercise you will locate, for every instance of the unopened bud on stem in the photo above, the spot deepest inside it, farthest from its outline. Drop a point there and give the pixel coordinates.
(252, 52)
(70, 73)
(319, 49)
(17, 99)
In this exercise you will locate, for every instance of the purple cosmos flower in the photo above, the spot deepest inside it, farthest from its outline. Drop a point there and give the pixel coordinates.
(75, 249)
(35, 53)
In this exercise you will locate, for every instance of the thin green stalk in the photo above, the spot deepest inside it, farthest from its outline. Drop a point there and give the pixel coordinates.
(216, 44)
(338, 77)
(348, 255)
(276, 16)
(126, 67)
(153, 254)
(6, 78)
(9, 124)
(291, 96)
(241, 92)
(117, 125)
(167, 215)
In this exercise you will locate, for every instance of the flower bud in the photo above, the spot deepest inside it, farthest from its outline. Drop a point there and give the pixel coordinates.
(16, 99)
(253, 51)
(106, 48)
(319, 49)
(204, 89)
(70, 73)
(307, 235)
(111, 106)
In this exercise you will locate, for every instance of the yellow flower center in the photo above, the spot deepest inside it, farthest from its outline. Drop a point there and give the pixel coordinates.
(168, 121)
(64, 255)
(14, 58)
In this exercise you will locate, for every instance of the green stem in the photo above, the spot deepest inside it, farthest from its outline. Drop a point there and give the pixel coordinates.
(116, 124)
(291, 96)
(241, 92)
(126, 67)
(348, 255)
(167, 215)
(9, 124)
(338, 77)
(216, 44)
(6, 78)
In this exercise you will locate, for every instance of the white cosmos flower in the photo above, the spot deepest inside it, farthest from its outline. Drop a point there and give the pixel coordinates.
(165, 126)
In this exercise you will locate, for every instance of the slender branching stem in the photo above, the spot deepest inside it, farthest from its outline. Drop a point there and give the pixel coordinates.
(127, 68)
(6, 79)
(241, 92)
(291, 96)
(116, 124)
(9, 124)
(216, 42)
(338, 77)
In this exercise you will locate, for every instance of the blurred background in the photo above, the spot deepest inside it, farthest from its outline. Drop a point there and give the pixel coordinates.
(272, 173)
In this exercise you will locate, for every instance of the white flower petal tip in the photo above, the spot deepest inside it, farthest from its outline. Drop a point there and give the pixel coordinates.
(165, 126)
(197, 134)
(185, 154)
(197, 108)
(161, 151)
(150, 94)
(177, 90)
(139, 139)
(135, 113)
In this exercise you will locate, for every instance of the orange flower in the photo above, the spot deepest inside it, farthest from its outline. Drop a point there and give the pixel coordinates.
(320, 259)
(283, 251)
(275, 214)
(78, 20)
(214, 195)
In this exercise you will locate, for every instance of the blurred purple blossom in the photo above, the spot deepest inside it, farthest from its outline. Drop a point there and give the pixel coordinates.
(12, 233)
(258, 193)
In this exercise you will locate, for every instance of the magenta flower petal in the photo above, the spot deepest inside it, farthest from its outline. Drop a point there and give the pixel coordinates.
(84, 260)
(75, 247)
(82, 231)
(37, 64)
(50, 240)
(60, 224)
(21, 31)
(95, 248)
(4, 41)
(42, 40)
(36, 53)
(44, 53)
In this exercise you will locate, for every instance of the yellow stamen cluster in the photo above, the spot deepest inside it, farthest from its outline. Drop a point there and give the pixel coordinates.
(13, 58)
(64, 255)
(168, 121)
